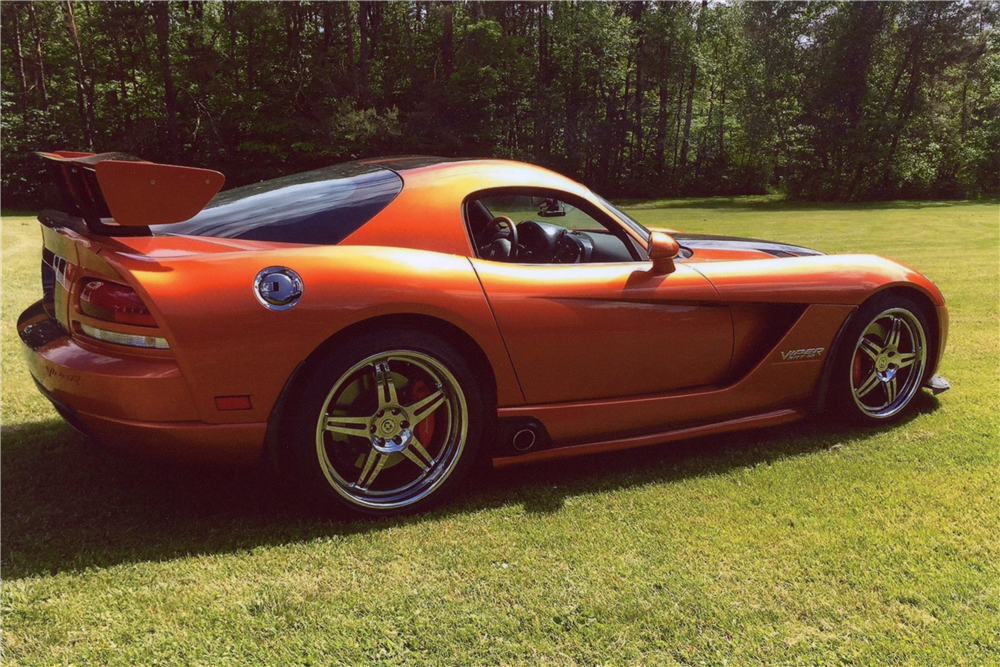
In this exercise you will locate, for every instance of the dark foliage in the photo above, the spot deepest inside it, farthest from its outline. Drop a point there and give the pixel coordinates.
(824, 100)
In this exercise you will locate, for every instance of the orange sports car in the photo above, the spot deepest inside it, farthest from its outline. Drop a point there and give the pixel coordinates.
(374, 326)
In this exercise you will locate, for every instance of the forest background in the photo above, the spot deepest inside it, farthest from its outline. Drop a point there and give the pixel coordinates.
(819, 101)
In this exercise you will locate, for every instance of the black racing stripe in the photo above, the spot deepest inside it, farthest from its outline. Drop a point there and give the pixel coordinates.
(737, 243)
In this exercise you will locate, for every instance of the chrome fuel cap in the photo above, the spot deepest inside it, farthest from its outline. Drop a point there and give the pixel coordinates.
(277, 287)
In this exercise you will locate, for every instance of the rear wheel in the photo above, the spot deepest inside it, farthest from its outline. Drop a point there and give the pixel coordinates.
(883, 360)
(389, 424)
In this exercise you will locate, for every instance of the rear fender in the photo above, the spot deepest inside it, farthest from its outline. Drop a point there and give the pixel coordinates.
(228, 344)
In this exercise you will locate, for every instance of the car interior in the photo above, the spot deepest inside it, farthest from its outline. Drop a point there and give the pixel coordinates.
(539, 228)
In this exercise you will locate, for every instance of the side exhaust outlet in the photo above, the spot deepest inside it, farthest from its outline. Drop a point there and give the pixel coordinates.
(524, 439)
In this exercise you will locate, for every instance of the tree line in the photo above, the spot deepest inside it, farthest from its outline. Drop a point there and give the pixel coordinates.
(819, 100)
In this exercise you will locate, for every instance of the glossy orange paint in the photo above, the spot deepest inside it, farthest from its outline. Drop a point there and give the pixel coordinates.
(145, 193)
(116, 386)
(774, 418)
(663, 249)
(188, 441)
(579, 331)
(427, 214)
(605, 356)
(773, 383)
(844, 279)
(344, 286)
(140, 193)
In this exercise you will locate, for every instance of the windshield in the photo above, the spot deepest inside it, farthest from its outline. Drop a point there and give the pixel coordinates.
(625, 218)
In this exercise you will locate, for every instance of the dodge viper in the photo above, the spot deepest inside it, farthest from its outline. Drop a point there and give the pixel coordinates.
(375, 327)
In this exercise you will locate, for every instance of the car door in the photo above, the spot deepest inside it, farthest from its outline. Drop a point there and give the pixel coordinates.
(606, 329)
(592, 331)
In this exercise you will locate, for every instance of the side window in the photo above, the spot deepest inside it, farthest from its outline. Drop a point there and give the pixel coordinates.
(536, 228)
(553, 211)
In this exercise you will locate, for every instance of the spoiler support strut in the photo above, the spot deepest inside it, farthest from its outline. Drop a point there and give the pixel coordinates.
(133, 193)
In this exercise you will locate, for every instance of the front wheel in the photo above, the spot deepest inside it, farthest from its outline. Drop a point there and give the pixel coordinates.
(883, 360)
(389, 424)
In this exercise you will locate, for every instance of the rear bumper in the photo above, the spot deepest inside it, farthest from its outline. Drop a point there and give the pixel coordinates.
(135, 403)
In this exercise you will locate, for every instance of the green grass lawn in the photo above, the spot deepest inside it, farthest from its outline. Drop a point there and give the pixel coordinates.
(813, 544)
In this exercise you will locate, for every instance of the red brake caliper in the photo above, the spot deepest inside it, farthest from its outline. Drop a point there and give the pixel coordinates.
(856, 368)
(425, 429)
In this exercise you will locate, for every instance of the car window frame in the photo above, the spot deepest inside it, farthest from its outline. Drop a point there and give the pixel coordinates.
(611, 223)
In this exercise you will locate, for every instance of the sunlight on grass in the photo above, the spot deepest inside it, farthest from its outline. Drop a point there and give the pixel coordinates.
(814, 544)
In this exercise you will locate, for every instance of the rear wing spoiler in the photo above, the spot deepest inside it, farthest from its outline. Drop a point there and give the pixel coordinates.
(120, 195)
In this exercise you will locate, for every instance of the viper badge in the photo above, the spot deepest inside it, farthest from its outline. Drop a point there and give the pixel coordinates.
(805, 353)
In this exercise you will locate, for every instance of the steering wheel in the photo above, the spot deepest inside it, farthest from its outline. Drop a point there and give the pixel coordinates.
(498, 249)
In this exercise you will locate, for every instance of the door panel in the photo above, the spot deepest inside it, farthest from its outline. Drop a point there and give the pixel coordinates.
(585, 331)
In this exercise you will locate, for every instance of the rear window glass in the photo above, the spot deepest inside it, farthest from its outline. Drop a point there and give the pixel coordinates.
(321, 207)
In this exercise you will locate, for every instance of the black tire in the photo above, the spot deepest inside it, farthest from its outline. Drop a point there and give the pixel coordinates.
(348, 391)
(873, 379)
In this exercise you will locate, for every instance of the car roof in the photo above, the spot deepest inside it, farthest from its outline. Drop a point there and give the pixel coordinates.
(428, 214)
(402, 163)
(411, 201)
(486, 168)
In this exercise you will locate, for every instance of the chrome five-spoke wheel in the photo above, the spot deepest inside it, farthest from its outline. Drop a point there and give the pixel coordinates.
(888, 363)
(391, 430)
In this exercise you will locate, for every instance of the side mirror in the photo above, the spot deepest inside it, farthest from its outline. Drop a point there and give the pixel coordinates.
(663, 249)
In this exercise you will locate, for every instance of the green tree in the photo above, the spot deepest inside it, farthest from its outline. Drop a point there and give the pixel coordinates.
(827, 100)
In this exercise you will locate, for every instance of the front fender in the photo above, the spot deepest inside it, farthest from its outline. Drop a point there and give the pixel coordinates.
(821, 279)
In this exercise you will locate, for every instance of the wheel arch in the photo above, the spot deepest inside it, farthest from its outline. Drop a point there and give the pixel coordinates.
(276, 446)
(931, 312)
(928, 308)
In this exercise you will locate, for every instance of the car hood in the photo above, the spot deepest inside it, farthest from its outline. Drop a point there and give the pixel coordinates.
(712, 247)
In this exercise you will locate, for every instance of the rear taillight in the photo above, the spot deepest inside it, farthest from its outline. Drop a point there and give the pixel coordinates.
(112, 302)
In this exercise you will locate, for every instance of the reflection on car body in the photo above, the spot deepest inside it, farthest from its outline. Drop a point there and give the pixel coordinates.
(376, 326)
